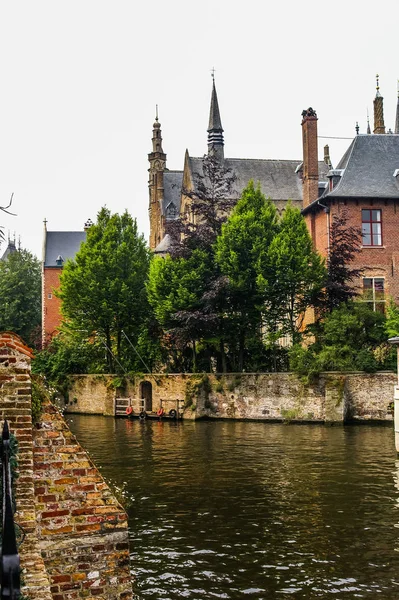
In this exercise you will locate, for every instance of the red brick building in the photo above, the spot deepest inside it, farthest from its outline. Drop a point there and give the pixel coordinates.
(366, 184)
(58, 247)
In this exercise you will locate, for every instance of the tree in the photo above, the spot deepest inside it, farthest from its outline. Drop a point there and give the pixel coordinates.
(175, 291)
(193, 238)
(103, 289)
(20, 295)
(211, 201)
(292, 274)
(5, 210)
(244, 239)
(345, 243)
(351, 337)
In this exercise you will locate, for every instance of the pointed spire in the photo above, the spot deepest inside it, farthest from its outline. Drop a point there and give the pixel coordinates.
(215, 129)
(379, 126)
(156, 133)
(397, 113)
(368, 123)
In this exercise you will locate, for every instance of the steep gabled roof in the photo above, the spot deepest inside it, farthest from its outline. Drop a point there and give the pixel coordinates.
(278, 179)
(172, 184)
(369, 165)
(62, 243)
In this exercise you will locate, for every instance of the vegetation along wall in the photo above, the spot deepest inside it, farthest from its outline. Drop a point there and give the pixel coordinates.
(332, 397)
(76, 540)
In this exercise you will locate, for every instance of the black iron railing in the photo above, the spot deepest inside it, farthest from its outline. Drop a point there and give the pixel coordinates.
(10, 572)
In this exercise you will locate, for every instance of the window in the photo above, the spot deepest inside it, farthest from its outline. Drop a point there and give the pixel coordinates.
(373, 293)
(371, 227)
(50, 296)
(171, 211)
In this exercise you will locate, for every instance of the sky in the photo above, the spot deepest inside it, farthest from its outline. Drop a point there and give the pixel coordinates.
(80, 80)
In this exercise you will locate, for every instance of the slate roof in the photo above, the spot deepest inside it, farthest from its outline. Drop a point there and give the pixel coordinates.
(172, 184)
(64, 243)
(369, 165)
(11, 248)
(164, 245)
(277, 178)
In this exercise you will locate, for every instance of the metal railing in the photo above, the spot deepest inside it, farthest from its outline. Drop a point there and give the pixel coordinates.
(10, 572)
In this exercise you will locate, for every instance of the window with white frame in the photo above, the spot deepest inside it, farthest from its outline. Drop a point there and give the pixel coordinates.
(371, 227)
(373, 293)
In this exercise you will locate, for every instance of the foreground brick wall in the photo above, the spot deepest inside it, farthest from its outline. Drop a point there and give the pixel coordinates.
(15, 406)
(82, 530)
(76, 539)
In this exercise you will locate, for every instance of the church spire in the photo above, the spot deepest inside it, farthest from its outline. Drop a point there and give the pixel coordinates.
(157, 160)
(397, 113)
(156, 134)
(215, 129)
(379, 126)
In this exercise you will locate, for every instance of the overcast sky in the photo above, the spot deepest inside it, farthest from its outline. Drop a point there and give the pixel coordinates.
(80, 80)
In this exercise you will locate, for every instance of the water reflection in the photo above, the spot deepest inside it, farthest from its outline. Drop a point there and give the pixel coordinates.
(235, 510)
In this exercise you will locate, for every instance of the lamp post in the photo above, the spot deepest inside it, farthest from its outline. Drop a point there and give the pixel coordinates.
(395, 342)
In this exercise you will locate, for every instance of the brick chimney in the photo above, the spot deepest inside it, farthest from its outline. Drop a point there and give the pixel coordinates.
(310, 180)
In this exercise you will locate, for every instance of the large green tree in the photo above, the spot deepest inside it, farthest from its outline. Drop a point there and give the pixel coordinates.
(240, 250)
(295, 273)
(103, 289)
(20, 295)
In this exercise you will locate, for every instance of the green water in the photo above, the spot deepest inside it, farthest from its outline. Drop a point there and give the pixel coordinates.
(252, 510)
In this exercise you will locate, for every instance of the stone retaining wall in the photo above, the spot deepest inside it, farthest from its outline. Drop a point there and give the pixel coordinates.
(334, 397)
(76, 540)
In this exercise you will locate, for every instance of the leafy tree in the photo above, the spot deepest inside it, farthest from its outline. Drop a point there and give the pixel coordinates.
(345, 243)
(175, 291)
(103, 289)
(245, 238)
(211, 201)
(5, 210)
(294, 275)
(352, 337)
(193, 238)
(69, 353)
(392, 322)
(20, 295)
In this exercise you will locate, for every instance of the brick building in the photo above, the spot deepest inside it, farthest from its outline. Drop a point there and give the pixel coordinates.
(366, 184)
(170, 191)
(58, 246)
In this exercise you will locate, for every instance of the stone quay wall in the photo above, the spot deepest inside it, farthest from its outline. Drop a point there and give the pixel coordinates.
(76, 539)
(333, 397)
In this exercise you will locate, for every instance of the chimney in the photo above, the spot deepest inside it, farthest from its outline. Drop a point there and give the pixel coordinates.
(327, 158)
(379, 126)
(88, 224)
(310, 157)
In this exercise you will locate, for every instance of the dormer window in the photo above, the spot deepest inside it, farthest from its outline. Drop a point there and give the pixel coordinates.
(59, 261)
(371, 227)
(171, 211)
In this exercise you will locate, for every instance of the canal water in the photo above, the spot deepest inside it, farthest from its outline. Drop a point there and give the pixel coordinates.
(253, 510)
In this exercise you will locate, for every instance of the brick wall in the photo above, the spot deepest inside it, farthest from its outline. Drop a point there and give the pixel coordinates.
(15, 406)
(82, 530)
(381, 261)
(51, 307)
(76, 540)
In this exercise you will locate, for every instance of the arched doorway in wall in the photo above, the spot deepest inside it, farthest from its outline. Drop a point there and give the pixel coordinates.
(146, 395)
